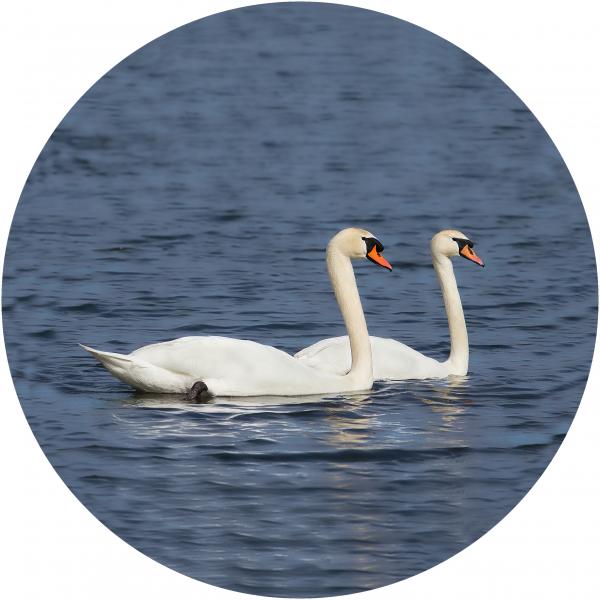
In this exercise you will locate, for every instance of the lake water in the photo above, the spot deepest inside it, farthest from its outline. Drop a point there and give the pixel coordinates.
(192, 191)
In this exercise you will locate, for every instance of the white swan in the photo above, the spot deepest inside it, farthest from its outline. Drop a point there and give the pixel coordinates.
(395, 360)
(220, 366)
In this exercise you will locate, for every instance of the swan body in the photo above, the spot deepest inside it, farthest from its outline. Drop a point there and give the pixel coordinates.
(233, 367)
(395, 360)
(228, 367)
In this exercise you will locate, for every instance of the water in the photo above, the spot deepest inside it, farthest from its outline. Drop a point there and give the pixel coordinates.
(192, 191)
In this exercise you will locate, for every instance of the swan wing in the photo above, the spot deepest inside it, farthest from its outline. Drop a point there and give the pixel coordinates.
(229, 367)
(391, 359)
(331, 355)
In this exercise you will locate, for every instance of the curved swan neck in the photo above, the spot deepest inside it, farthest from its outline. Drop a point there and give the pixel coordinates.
(343, 281)
(459, 339)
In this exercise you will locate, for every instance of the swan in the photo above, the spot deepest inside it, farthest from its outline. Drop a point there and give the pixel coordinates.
(395, 360)
(204, 366)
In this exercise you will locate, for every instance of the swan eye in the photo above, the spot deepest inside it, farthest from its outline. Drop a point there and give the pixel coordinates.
(370, 242)
(463, 242)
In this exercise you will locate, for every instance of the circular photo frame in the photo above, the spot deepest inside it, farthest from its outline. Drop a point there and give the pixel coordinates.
(228, 414)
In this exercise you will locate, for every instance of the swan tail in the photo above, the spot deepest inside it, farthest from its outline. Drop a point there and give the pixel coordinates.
(111, 360)
(125, 368)
(139, 373)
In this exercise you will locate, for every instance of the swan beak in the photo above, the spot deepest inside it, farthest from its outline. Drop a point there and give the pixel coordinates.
(378, 259)
(468, 253)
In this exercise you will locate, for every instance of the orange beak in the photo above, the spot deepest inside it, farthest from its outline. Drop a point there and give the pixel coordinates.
(377, 258)
(468, 253)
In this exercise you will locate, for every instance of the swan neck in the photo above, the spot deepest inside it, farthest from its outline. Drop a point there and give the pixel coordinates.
(343, 281)
(459, 339)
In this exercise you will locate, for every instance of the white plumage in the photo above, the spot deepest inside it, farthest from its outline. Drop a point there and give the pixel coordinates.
(395, 360)
(232, 367)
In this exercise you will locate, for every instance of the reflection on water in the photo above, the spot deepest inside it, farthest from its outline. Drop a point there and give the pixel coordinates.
(447, 398)
(217, 403)
(349, 427)
(192, 191)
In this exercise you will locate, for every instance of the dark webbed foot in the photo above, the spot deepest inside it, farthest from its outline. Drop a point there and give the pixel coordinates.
(195, 394)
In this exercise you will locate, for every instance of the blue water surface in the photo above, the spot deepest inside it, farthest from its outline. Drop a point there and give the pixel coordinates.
(193, 190)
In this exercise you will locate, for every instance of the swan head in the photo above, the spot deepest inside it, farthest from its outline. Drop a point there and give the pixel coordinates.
(359, 243)
(451, 242)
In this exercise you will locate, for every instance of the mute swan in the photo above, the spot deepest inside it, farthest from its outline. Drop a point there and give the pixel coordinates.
(220, 366)
(395, 360)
